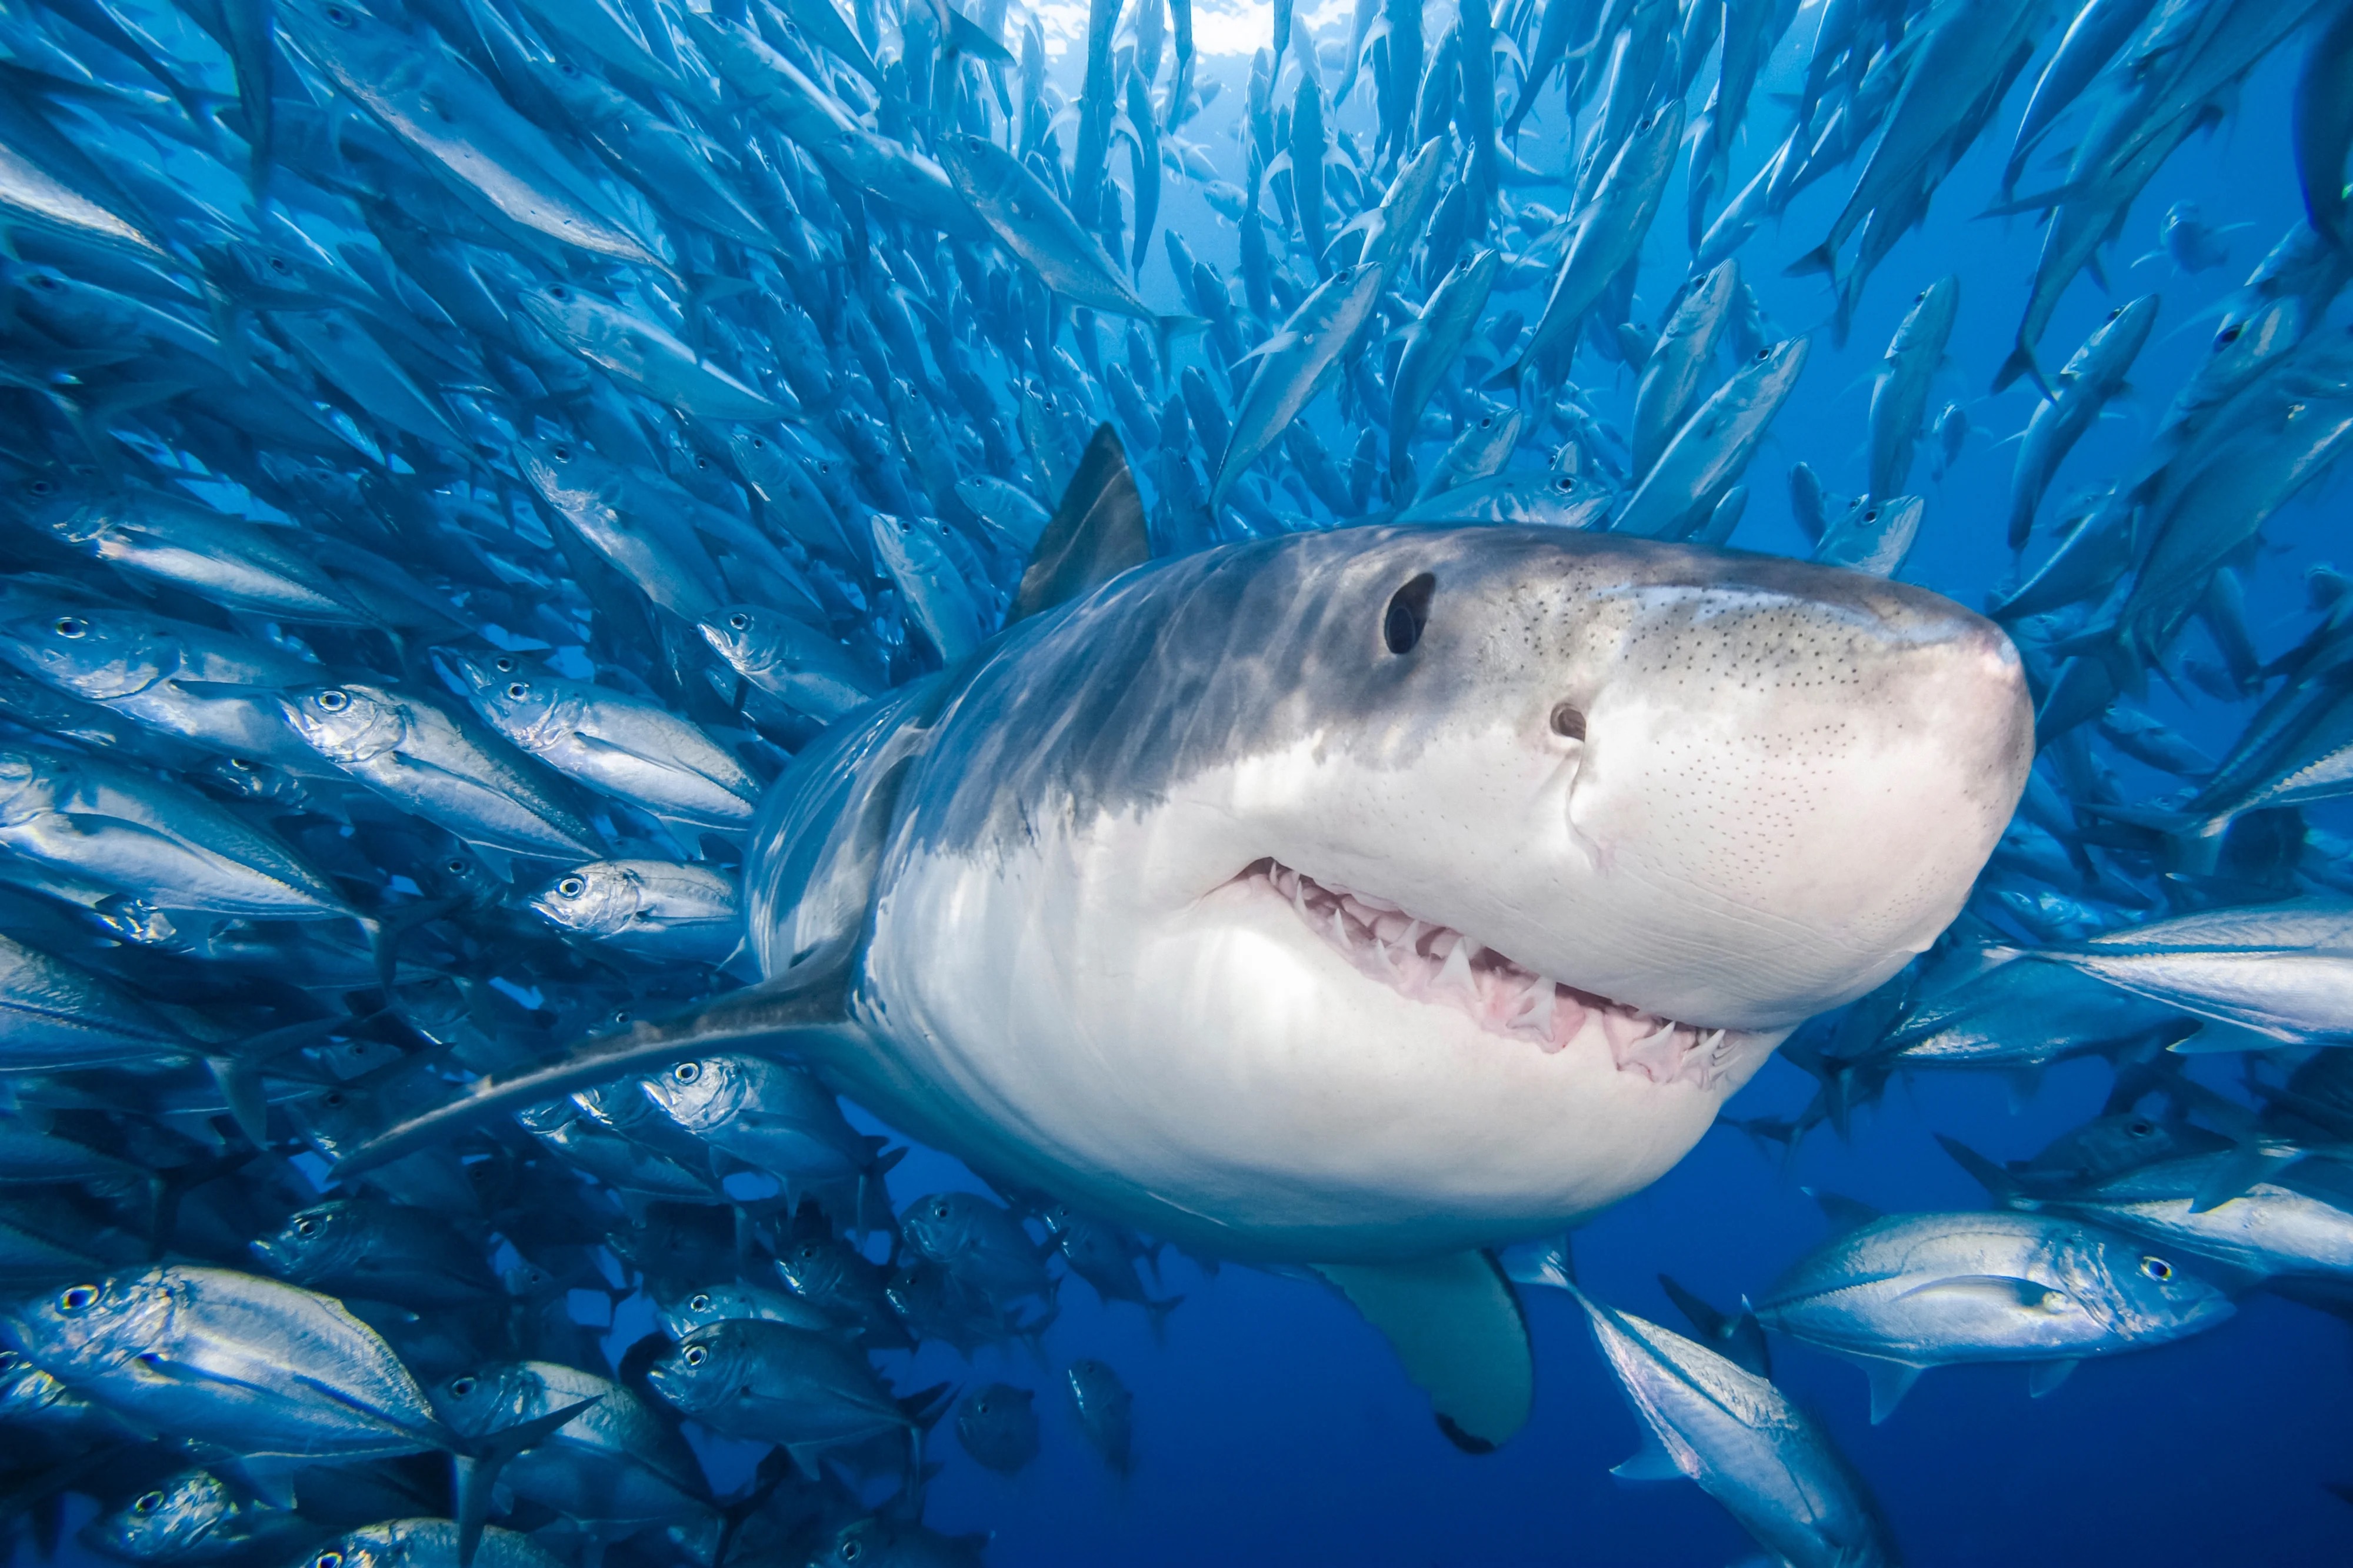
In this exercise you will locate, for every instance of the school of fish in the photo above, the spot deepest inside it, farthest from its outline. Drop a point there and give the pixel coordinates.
(456, 453)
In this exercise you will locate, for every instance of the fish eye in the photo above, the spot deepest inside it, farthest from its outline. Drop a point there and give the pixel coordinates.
(334, 1100)
(504, 664)
(852, 1552)
(808, 1251)
(1871, 516)
(1921, 298)
(698, 1303)
(940, 1211)
(241, 766)
(43, 487)
(1764, 354)
(77, 1298)
(334, 701)
(461, 1388)
(2229, 334)
(2116, 314)
(1408, 614)
(330, 1558)
(148, 1502)
(1565, 484)
(306, 1226)
(2157, 1269)
(687, 1072)
(519, 690)
(2141, 1127)
(558, 292)
(560, 452)
(738, 621)
(71, 626)
(694, 1356)
(279, 265)
(571, 887)
(1568, 722)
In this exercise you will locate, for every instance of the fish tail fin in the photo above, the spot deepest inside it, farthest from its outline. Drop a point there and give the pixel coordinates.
(1821, 258)
(1166, 330)
(1508, 379)
(2021, 363)
(1158, 1313)
(477, 1466)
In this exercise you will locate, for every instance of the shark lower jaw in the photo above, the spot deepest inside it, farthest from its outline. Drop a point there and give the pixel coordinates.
(1436, 965)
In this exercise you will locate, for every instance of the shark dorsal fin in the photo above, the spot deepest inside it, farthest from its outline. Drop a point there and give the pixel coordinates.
(1096, 534)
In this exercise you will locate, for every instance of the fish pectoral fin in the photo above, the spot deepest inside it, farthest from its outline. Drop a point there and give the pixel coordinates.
(1890, 1381)
(1457, 1327)
(2046, 1375)
(2007, 1289)
(1651, 1462)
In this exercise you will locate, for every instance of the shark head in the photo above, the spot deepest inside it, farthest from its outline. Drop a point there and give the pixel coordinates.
(1393, 891)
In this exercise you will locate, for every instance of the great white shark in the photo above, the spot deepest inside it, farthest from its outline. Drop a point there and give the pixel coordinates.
(1361, 900)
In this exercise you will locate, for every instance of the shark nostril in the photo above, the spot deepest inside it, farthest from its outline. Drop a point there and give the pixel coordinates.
(1568, 722)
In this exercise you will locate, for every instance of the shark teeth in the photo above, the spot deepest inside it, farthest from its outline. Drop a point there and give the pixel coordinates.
(1437, 964)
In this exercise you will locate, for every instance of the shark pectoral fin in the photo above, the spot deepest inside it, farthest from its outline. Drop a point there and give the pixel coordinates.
(1890, 1381)
(1095, 535)
(2046, 1375)
(1457, 1329)
(1651, 1462)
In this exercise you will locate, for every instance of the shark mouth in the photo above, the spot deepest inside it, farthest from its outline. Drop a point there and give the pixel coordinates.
(1430, 962)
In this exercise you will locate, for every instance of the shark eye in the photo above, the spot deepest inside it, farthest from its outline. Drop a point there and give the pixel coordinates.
(70, 626)
(77, 1298)
(332, 702)
(1568, 722)
(2157, 1269)
(1409, 613)
(148, 1502)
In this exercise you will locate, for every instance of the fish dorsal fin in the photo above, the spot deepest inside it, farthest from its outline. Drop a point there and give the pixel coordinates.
(1999, 1184)
(1890, 1381)
(1456, 1326)
(1844, 1214)
(1095, 534)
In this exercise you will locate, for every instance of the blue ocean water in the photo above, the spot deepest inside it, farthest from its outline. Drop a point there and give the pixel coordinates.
(1272, 1423)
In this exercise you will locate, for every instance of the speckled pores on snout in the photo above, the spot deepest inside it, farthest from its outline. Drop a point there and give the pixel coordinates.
(1803, 768)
